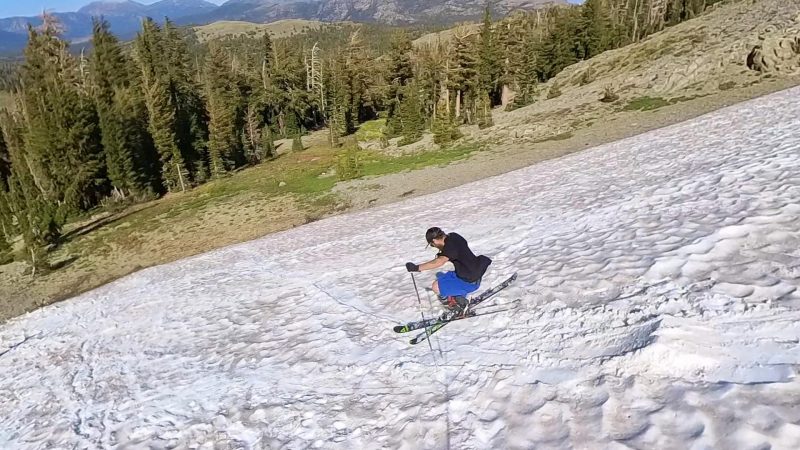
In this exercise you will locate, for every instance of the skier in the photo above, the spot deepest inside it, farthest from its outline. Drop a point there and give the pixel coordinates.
(452, 287)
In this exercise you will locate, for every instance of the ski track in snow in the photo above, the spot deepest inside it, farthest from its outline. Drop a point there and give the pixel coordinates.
(660, 309)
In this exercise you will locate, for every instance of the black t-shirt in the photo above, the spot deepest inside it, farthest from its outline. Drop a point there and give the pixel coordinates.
(469, 267)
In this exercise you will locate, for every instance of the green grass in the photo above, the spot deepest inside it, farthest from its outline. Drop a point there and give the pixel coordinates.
(301, 178)
(651, 103)
(309, 182)
(370, 131)
(301, 173)
(557, 137)
(646, 104)
(381, 165)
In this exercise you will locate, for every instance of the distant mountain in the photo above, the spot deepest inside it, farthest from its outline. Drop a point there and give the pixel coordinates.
(258, 11)
(76, 26)
(386, 11)
(176, 9)
(113, 9)
(11, 42)
(124, 16)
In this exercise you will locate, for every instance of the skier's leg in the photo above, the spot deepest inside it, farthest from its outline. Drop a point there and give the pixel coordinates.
(447, 286)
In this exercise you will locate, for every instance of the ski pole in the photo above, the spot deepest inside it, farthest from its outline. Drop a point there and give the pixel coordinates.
(419, 302)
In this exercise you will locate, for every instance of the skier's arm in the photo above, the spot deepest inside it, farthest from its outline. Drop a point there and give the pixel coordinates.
(434, 264)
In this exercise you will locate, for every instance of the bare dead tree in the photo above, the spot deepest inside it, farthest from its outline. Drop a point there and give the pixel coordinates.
(635, 34)
(317, 85)
(657, 12)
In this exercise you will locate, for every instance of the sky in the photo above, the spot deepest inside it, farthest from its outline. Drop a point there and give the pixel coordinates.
(10, 8)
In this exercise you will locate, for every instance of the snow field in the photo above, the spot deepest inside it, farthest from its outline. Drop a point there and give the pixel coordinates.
(658, 279)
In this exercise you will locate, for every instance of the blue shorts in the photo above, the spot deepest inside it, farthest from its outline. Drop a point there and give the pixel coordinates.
(450, 284)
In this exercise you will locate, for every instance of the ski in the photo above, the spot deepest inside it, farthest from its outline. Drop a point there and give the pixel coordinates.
(427, 333)
(411, 326)
(437, 326)
(416, 325)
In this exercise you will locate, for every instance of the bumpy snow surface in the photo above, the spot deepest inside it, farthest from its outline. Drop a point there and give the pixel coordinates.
(659, 308)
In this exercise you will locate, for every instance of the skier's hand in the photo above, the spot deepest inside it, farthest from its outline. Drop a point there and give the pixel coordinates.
(411, 267)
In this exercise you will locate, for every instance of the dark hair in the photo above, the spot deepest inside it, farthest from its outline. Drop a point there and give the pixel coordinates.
(434, 233)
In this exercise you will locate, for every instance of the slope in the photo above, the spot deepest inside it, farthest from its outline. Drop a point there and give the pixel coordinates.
(733, 46)
(658, 277)
(279, 29)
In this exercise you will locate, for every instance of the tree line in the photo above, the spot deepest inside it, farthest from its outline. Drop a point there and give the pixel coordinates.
(134, 121)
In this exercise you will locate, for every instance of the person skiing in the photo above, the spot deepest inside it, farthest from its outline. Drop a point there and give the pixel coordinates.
(453, 287)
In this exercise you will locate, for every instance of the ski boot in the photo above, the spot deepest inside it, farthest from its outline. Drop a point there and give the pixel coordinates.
(458, 305)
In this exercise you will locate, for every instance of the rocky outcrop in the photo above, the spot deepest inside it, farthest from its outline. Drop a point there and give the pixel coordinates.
(779, 53)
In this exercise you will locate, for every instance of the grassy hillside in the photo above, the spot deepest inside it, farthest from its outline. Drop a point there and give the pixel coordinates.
(279, 29)
(444, 36)
(733, 46)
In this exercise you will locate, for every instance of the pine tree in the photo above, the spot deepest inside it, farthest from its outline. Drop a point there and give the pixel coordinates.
(129, 107)
(162, 124)
(354, 72)
(62, 140)
(11, 148)
(225, 145)
(334, 111)
(561, 46)
(257, 97)
(489, 67)
(463, 73)
(267, 52)
(400, 72)
(250, 132)
(5, 162)
(483, 106)
(5, 246)
(26, 209)
(122, 124)
(297, 142)
(267, 98)
(292, 102)
(410, 118)
(191, 121)
(527, 66)
(267, 143)
(6, 218)
(443, 126)
(596, 33)
(430, 76)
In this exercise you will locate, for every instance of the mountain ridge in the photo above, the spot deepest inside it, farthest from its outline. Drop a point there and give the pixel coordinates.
(392, 12)
(125, 16)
